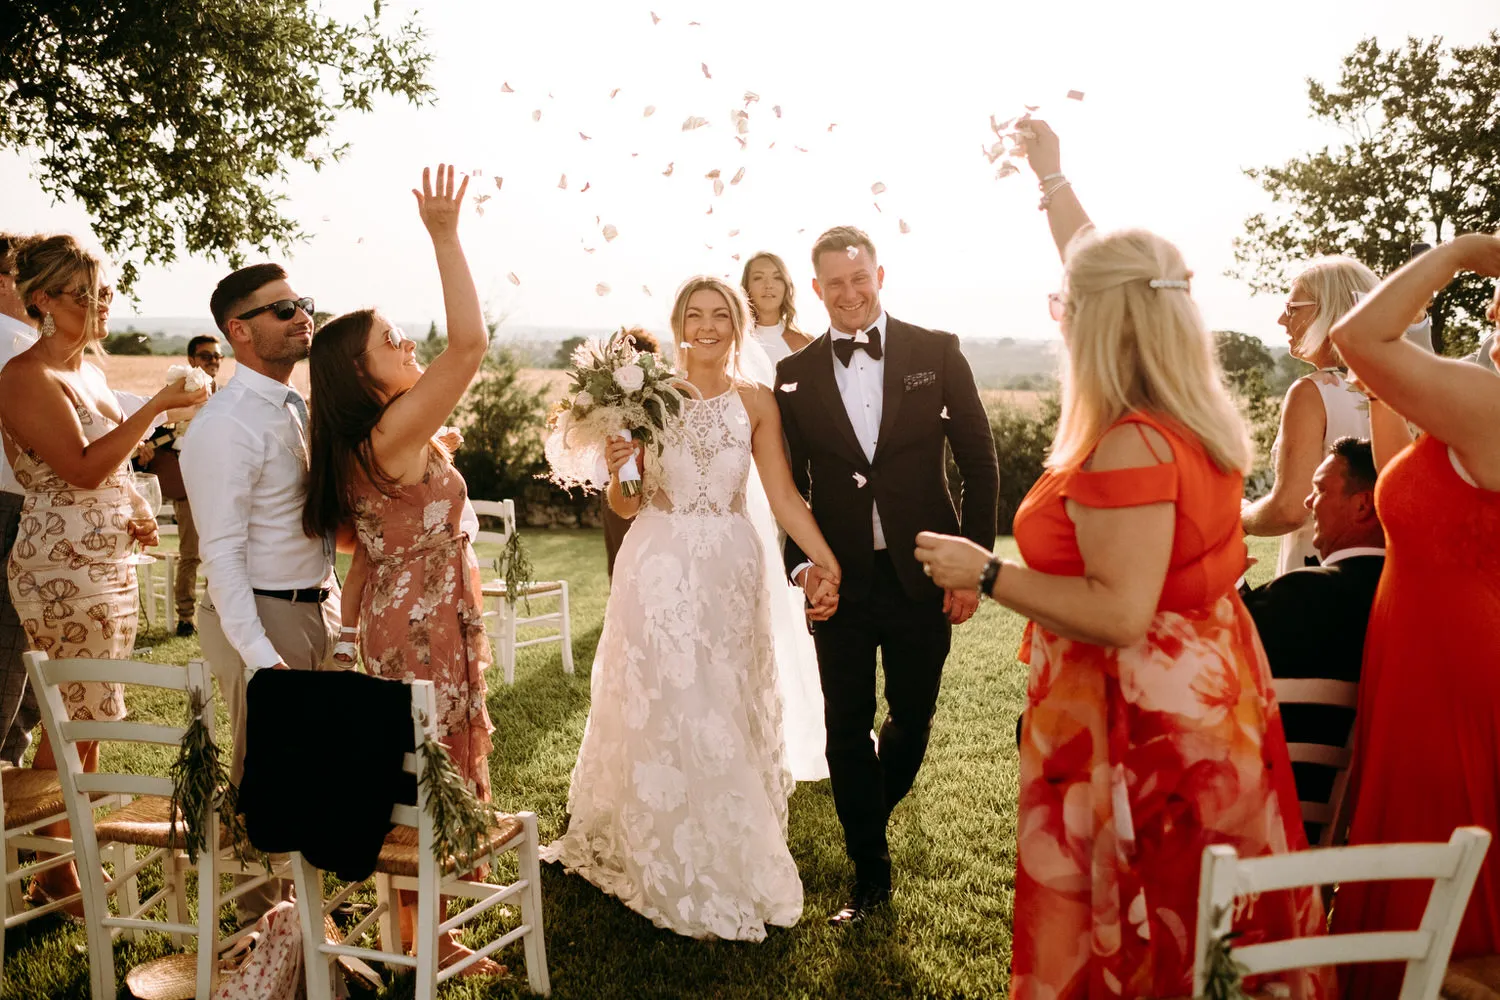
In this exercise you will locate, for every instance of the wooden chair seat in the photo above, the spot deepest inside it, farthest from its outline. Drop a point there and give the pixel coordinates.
(399, 854)
(538, 588)
(31, 795)
(143, 822)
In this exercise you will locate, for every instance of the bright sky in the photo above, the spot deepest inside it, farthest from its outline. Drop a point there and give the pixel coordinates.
(1179, 96)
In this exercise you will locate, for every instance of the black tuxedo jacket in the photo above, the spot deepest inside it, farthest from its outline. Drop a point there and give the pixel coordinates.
(930, 398)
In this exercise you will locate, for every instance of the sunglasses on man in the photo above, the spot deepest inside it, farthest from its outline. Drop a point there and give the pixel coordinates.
(206, 357)
(282, 309)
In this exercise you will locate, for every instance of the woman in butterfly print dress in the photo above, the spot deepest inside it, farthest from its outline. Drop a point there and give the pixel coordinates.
(68, 443)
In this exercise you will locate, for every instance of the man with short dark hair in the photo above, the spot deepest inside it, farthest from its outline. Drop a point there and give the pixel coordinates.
(272, 596)
(1312, 620)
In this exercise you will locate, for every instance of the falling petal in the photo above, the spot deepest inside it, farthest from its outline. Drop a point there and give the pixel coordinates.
(877, 206)
(706, 72)
(802, 230)
(612, 93)
(601, 289)
(1032, 107)
(536, 115)
(712, 173)
(650, 110)
(586, 186)
(635, 154)
(751, 97)
(999, 127)
(685, 346)
(610, 232)
(1075, 95)
(590, 249)
(741, 141)
(800, 149)
(739, 175)
(852, 251)
(585, 138)
(654, 18)
(646, 289)
(693, 122)
(904, 227)
(734, 232)
(499, 181)
(505, 88)
(877, 188)
(833, 126)
(859, 481)
(718, 187)
(513, 279)
(668, 172)
(327, 218)
(788, 387)
(563, 182)
(695, 24)
(596, 222)
(360, 240)
(1006, 169)
(996, 151)
(734, 256)
(479, 201)
(776, 108)
(477, 172)
(709, 212)
(771, 146)
(708, 245)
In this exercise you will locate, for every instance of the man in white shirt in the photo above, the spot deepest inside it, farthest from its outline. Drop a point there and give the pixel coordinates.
(272, 595)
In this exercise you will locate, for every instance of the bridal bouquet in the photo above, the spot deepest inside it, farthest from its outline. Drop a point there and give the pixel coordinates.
(617, 391)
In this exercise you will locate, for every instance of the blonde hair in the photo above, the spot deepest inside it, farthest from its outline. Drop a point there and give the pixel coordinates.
(49, 265)
(739, 315)
(1135, 348)
(788, 301)
(1335, 284)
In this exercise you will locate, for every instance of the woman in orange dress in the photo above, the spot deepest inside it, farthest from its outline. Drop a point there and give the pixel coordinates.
(1427, 738)
(1151, 729)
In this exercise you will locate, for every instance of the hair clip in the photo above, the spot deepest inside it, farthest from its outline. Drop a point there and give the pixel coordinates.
(1169, 283)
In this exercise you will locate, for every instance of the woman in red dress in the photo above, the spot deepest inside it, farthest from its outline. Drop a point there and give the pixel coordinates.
(1151, 729)
(1427, 742)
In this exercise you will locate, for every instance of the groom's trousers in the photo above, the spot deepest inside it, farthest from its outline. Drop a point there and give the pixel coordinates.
(870, 778)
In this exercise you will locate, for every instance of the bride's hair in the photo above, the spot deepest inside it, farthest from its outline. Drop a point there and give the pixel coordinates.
(788, 300)
(739, 315)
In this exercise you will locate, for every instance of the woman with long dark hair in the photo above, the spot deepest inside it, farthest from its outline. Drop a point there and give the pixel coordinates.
(375, 462)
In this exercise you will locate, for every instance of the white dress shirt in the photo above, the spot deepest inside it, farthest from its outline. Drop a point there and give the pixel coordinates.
(862, 384)
(1351, 553)
(244, 463)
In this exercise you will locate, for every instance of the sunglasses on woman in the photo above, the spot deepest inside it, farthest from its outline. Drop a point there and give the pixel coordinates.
(282, 309)
(82, 297)
(394, 337)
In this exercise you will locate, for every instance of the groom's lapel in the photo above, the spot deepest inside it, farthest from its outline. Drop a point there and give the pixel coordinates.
(819, 364)
(897, 360)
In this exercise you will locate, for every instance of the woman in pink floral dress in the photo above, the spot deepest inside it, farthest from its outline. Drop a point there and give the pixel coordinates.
(375, 463)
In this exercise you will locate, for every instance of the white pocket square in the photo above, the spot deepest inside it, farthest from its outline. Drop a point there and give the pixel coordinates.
(944, 413)
(788, 387)
(859, 481)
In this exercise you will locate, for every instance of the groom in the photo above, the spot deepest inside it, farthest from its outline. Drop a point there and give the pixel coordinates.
(866, 409)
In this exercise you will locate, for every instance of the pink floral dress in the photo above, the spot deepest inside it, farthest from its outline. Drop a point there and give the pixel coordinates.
(421, 611)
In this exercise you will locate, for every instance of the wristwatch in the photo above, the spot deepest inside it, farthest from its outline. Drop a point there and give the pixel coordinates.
(989, 576)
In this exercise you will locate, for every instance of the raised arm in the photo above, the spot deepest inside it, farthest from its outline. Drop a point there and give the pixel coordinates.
(1457, 403)
(40, 417)
(412, 420)
(1065, 214)
(1303, 426)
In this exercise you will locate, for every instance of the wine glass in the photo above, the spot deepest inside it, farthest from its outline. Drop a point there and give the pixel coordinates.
(148, 488)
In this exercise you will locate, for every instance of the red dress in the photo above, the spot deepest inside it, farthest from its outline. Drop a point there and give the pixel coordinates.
(1134, 759)
(1427, 744)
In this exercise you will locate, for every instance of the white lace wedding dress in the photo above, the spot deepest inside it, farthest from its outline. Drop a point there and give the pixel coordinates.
(679, 795)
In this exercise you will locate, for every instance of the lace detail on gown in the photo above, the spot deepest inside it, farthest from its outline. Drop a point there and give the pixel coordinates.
(679, 796)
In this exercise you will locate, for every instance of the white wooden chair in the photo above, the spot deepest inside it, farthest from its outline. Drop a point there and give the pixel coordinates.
(1331, 815)
(1452, 867)
(503, 618)
(142, 822)
(406, 861)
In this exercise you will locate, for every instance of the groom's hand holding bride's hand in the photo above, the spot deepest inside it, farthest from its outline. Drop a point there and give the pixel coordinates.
(822, 589)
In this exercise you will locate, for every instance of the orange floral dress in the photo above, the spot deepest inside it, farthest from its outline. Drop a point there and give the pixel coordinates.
(1134, 759)
(421, 613)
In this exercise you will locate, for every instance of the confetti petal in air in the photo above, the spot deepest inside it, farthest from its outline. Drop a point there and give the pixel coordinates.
(739, 175)
(586, 186)
(706, 72)
(1075, 95)
(734, 232)
(668, 172)
(327, 218)
(513, 279)
(695, 24)
(712, 174)
(788, 387)
(646, 289)
(741, 141)
(710, 212)
(506, 88)
(498, 182)
(877, 206)
(877, 188)
(601, 289)
(776, 109)
(1006, 169)
(563, 182)
(650, 110)
(734, 256)
(610, 232)
(852, 251)
(904, 227)
(718, 187)
(360, 240)
(833, 126)
(800, 149)
(1032, 107)
(589, 249)
(479, 201)
(693, 122)
(536, 115)
(612, 93)
(585, 138)
(654, 18)
(751, 97)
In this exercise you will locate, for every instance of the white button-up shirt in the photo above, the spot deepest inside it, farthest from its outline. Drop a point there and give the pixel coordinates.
(244, 463)
(862, 385)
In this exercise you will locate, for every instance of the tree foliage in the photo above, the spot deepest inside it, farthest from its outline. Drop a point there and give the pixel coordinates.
(174, 122)
(1421, 163)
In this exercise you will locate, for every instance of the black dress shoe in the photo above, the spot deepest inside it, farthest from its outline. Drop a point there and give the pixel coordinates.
(185, 629)
(864, 901)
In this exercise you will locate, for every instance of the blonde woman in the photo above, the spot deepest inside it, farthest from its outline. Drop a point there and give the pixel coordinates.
(773, 304)
(1319, 408)
(679, 796)
(1151, 730)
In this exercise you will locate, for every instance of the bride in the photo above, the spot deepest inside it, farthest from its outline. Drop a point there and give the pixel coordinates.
(678, 800)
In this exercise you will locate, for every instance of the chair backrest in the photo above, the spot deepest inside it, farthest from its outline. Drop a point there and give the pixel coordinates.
(47, 677)
(1331, 815)
(424, 727)
(1452, 867)
(505, 511)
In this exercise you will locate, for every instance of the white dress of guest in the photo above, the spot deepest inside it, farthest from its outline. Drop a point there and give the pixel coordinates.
(773, 341)
(1347, 412)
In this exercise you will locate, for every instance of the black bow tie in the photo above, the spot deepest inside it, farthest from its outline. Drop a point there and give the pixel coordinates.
(844, 347)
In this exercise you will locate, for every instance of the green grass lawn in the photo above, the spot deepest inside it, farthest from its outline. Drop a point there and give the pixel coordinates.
(952, 839)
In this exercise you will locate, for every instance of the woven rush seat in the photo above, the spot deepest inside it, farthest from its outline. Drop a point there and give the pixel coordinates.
(143, 822)
(399, 854)
(30, 795)
(496, 588)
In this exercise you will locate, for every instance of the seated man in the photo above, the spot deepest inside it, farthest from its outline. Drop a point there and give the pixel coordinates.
(1312, 621)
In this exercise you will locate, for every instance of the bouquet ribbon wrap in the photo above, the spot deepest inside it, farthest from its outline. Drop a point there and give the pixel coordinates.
(630, 473)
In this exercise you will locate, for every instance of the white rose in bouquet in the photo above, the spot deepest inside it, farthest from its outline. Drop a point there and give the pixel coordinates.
(630, 377)
(583, 400)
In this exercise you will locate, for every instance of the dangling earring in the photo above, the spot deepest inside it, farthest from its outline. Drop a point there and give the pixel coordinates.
(49, 326)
